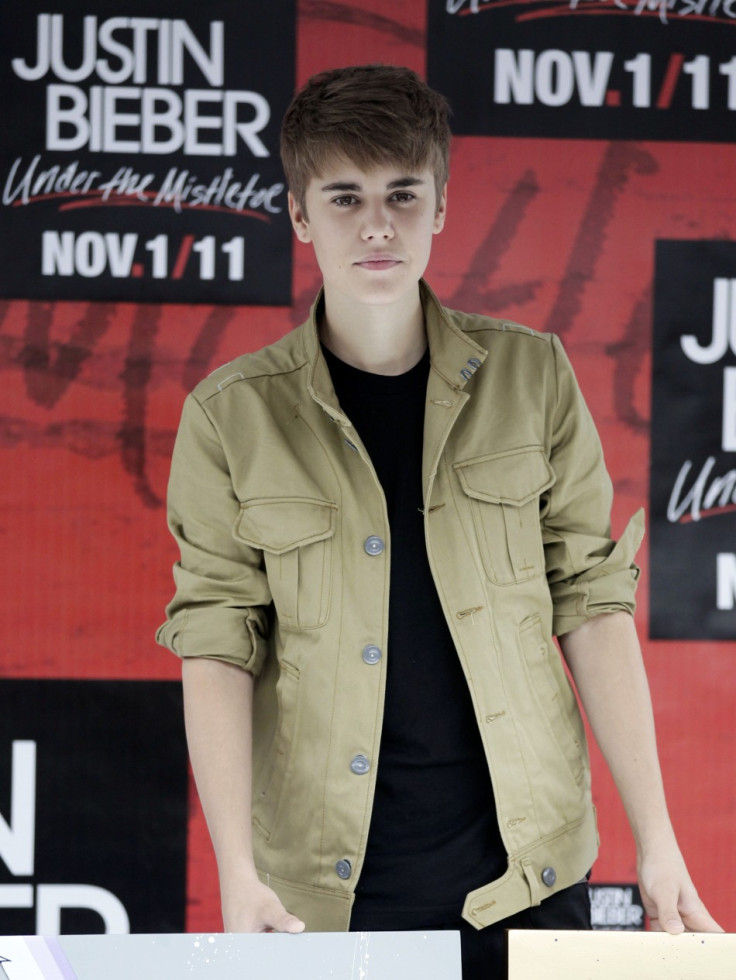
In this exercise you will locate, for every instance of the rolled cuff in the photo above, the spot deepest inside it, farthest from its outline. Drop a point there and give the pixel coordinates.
(239, 638)
(607, 587)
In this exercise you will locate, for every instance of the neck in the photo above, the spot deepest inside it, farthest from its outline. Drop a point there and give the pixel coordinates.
(382, 339)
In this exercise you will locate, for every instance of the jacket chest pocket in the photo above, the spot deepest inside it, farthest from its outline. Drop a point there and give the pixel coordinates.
(503, 490)
(295, 535)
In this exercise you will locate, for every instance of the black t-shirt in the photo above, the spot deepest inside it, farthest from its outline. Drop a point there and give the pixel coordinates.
(434, 834)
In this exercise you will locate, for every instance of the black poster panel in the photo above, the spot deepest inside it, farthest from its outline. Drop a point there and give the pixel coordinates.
(139, 151)
(590, 69)
(93, 807)
(693, 446)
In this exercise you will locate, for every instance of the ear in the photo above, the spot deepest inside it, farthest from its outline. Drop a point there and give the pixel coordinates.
(440, 213)
(299, 220)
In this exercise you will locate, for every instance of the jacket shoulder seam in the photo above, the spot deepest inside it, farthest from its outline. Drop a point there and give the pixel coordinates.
(244, 368)
(471, 323)
(507, 326)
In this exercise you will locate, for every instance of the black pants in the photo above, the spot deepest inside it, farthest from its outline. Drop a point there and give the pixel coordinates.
(484, 953)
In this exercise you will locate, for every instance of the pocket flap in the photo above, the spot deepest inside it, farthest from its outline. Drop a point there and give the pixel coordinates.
(279, 524)
(511, 477)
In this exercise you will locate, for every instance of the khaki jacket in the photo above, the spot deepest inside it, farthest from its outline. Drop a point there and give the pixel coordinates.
(284, 570)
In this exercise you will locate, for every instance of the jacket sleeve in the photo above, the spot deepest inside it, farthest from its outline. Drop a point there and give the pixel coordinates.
(220, 608)
(588, 573)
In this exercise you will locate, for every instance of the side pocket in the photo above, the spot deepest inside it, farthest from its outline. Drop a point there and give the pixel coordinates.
(554, 695)
(271, 766)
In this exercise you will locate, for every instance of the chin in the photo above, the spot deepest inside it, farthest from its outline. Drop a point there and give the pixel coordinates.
(387, 291)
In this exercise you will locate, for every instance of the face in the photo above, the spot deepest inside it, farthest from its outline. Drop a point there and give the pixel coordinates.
(371, 230)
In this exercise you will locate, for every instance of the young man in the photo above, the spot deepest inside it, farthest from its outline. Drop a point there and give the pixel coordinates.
(383, 519)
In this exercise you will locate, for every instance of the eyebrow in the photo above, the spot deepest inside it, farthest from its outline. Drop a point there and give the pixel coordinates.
(342, 185)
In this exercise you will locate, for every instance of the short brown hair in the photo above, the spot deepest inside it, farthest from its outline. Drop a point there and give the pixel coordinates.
(370, 115)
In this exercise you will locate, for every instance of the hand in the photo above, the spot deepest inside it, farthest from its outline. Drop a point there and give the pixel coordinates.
(257, 908)
(669, 896)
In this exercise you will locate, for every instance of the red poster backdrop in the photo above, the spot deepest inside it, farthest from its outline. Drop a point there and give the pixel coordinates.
(557, 234)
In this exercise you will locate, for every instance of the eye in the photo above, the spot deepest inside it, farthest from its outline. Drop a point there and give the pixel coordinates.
(402, 197)
(345, 200)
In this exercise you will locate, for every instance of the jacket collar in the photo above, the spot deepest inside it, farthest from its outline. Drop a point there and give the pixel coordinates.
(453, 354)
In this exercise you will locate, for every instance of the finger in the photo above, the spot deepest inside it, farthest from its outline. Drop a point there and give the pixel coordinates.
(700, 921)
(666, 918)
(671, 922)
(283, 921)
(292, 924)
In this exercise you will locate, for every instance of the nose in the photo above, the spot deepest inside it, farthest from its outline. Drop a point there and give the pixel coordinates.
(377, 223)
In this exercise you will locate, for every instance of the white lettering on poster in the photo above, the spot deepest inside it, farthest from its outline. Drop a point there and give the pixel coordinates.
(179, 187)
(92, 254)
(17, 837)
(614, 907)
(17, 848)
(722, 340)
(708, 495)
(713, 9)
(556, 78)
(160, 120)
(51, 900)
(553, 77)
(725, 581)
(89, 255)
(723, 333)
(728, 429)
(173, 38)
(139, 117)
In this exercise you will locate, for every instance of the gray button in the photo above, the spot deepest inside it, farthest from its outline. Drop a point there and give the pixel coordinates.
(371, 654)
(373, 545)
(343, 869)
(360, 765)
(549, 876)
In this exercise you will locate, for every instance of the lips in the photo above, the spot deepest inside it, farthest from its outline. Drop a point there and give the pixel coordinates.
(378, 261)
